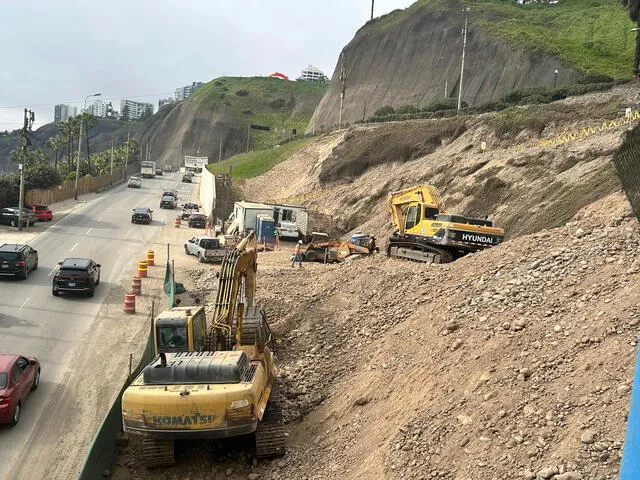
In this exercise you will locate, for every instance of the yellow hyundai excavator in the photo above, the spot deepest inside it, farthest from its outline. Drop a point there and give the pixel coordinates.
(226, 388)
(425, 232)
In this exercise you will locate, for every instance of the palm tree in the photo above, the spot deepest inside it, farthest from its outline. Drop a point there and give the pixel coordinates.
(88, 121)
(56, 144)
(633, 7)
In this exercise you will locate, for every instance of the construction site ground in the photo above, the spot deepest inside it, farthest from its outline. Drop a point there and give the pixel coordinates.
(512, 363)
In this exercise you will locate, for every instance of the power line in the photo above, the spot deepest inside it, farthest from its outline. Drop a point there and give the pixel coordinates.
(80, 101)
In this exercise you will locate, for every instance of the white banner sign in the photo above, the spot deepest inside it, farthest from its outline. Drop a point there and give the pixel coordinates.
(195, 162)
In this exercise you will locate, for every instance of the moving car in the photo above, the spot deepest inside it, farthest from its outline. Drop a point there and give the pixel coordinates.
(141, 215)
(168, 201)
(18, 377)
(43, 212)
(207, 249)
(197, 220)
(17, 260)
(158, 171)
(75, 275)
(11, 215)
(134, 182)
(188, 209)
(186, 178)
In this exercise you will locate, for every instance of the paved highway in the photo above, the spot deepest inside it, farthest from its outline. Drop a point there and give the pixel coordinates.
(34, 322)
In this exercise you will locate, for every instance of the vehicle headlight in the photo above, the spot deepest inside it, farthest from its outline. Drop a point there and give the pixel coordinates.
(239, 403)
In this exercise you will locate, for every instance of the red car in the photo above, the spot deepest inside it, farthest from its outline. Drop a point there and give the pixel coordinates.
(18, 376)
(43, 212)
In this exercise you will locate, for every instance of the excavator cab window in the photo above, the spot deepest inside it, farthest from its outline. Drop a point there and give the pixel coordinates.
(431, 213)
(413, 216)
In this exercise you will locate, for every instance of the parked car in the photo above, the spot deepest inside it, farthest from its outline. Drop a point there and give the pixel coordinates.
(158, 171)
(168, 201)
(141, 215)
(11, 215)
(134, 182)
(197, 220)
(75, 275)
(287, 230)
(207, 249)
(19, 375)
(17, 260)
(186, 178)
(188, 209)
(43, 212)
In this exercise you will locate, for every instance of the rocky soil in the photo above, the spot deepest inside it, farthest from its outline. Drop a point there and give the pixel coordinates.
(513, 363)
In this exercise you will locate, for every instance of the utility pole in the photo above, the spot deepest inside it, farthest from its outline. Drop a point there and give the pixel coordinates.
(220, 152)
(464, 46)
(343, 78)
(126, 160)
(372, 2)
(75, 190)
(248, 137)
(29, 118)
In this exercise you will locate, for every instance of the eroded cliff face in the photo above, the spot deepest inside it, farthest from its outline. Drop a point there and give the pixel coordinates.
(415, 60)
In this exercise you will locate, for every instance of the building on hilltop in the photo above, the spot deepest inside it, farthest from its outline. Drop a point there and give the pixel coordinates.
(61, 112)
(163, 102)
(98, 109)
(135, 110)
(185, 92)
(312, 74)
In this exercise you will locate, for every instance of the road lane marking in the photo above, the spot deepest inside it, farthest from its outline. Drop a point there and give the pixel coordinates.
(88, 231)
(24, 303)
(71, 250)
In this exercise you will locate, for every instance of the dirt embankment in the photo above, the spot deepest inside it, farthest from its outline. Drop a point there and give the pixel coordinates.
(520, 185)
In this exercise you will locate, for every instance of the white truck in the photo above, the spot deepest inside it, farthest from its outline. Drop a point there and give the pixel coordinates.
(147, 169)
(244, 217)
(207, 249)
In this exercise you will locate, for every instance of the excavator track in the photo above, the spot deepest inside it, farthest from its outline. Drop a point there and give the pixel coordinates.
(270, 437)
(419, 253)
(158, 453)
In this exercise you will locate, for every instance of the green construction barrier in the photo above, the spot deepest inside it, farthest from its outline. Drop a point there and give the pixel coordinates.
(102, 451)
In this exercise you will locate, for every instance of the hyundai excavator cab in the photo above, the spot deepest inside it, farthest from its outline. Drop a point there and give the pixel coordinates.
(214, 385)
(425, 232)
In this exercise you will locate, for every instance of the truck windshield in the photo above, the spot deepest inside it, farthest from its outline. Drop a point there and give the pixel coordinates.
(172, 337)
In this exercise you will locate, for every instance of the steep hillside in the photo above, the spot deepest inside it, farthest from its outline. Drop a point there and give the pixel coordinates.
(412, 56)
(220, 113)
(100, 137)
(522, 186)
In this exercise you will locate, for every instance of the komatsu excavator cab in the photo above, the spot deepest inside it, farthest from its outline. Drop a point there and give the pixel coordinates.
(180, 329)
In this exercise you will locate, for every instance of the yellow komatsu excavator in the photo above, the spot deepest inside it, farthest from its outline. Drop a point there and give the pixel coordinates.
(213, 382)
(425, 232)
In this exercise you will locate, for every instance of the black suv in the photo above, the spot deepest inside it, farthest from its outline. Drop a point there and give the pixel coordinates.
(17, 260)
(76, 275)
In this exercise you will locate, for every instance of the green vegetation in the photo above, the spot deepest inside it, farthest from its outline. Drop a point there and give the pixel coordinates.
(590, 34)
(252, 164)
(272, 102)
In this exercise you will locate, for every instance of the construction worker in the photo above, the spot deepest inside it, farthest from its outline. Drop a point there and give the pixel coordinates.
(276, 236)
(297, 254)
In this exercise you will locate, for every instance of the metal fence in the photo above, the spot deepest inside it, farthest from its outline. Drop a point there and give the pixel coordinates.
(627, 163)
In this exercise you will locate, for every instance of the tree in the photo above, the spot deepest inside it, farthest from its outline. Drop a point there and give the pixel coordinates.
(125, 113)
(633, 7)
(56, 144)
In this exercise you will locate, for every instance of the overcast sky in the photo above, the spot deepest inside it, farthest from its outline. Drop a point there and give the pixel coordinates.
(60, 51)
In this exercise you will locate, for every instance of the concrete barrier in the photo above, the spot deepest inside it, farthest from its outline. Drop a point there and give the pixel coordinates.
(207, 192)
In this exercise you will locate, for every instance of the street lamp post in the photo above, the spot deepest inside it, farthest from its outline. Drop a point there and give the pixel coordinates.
(75, 190)
(555, 78)
(464, 46)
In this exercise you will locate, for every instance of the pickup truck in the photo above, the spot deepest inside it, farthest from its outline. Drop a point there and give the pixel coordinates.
(207, 249)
